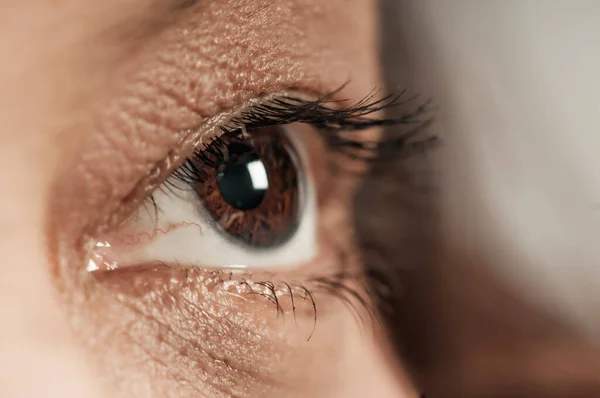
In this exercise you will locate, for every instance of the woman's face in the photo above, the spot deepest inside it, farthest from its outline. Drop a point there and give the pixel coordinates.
(177, 216)
(210, 199)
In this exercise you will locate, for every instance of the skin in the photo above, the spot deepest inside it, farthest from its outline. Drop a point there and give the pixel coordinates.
(99, 93)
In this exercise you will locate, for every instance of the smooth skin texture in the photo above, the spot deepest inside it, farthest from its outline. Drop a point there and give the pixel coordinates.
(94, 95)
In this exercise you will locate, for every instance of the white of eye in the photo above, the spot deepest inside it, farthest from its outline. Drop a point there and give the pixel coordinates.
(185, 233)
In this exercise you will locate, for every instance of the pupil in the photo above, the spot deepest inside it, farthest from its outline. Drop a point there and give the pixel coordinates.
(243, 179)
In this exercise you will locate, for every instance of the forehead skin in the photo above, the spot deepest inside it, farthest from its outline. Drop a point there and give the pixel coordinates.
(65, 61)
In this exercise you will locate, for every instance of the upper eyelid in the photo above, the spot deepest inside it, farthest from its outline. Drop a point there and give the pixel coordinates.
(289, 107)
(175, 150)
(180, 145)
(303, 108)
(286, 108)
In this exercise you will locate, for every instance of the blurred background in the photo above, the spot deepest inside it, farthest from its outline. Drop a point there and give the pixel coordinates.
(485, 245)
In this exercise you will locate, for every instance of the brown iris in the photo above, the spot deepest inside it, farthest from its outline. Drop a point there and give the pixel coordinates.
(250, 186)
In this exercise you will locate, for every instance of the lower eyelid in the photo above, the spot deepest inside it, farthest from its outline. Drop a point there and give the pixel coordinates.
(189, 312)
(286, 292)
(215, 311)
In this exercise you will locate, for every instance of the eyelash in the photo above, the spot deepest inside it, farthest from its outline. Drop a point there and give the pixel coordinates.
(336, 124)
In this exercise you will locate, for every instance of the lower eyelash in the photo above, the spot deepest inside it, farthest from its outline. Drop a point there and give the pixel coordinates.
(275, 292)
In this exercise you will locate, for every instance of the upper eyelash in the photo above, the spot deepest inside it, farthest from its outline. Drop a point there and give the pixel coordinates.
(334, 119)
(335, 122)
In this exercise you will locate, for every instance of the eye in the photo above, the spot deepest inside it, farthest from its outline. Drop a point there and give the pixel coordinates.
(246, 199)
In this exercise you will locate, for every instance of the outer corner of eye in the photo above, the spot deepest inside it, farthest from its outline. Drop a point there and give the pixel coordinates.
(246, 200)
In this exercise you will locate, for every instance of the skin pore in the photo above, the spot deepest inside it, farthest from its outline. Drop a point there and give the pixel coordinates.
(99, 94)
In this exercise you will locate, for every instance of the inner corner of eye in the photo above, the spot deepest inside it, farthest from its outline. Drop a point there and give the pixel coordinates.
(245, 200)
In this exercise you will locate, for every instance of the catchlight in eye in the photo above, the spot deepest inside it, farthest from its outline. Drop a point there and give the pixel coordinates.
(245, 200)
